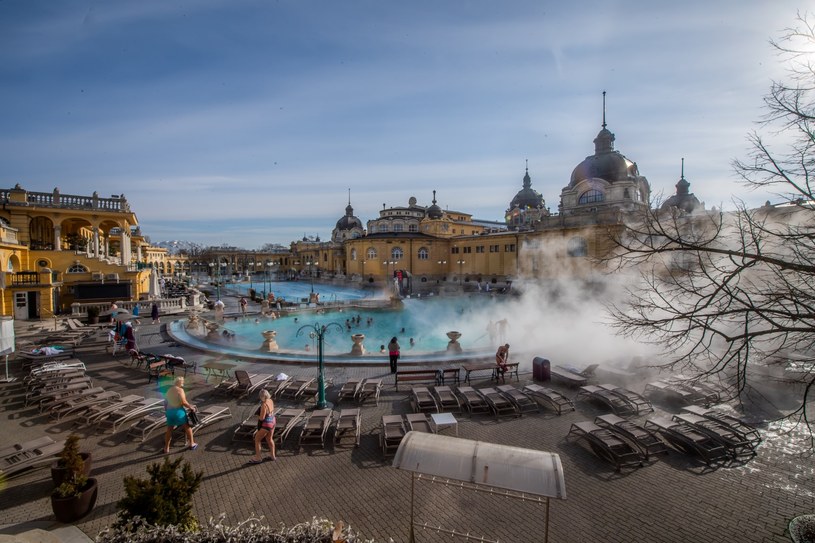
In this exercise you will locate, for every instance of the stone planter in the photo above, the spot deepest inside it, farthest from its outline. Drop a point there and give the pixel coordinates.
(71, 509)
(358, 348)
(454, 345)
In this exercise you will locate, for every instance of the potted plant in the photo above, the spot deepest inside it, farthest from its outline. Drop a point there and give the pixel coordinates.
(60, 471)
(76, 495)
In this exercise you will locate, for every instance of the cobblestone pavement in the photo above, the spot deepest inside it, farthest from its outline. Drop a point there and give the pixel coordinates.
(673, 498)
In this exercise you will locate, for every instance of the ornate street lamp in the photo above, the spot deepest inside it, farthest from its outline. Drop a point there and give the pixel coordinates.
(318, 332)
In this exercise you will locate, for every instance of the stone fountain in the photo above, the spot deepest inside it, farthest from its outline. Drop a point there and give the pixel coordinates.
(358, 349)
(269, 342)
(454, 345)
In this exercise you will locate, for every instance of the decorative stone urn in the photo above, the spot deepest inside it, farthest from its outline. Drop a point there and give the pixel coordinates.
(269, 342)
(193, 322)
(358, 348)
(454, 345)
(212, 330)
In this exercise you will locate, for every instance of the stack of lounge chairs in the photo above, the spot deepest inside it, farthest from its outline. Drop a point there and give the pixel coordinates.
(606, 444)
(688, 439)
(348, 426)
(499, 404)
(549, 398)
(393, 430)
(446, 399)
(369, 390)
(523, 402)
(422, 400)
(644, 439)
(315, 428)
(618, 404)
(349, 390)
(472, 401)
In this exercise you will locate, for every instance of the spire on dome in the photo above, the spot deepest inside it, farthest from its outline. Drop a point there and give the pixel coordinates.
(604, 109)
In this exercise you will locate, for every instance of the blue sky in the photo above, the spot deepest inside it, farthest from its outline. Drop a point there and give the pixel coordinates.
(246, 122)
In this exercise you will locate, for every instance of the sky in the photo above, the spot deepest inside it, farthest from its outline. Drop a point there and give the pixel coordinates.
(244, 122)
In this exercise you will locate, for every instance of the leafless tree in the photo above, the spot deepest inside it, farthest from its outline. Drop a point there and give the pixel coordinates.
(727, 292)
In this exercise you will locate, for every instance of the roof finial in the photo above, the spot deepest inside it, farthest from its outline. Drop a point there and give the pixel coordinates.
(527, 165)
(682, 175)
(349, 196)
(604, 109)
(434, 197)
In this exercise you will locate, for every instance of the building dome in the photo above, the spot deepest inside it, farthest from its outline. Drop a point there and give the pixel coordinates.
(605, 163)
(349, 221)
(434, 211)
(527, 197)
(683, 199)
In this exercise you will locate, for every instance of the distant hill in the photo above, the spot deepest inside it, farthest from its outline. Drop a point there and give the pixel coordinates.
(175, 246)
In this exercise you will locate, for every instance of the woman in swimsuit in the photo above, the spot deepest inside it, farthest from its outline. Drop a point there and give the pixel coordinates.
(175, 410)
(266, 424)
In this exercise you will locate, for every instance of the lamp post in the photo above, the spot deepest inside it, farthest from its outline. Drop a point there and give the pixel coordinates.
(318, 332)
(310, 265)
(460, 278)
(215, 271)
(251, 275)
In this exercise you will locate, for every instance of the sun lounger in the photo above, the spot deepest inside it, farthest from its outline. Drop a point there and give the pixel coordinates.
(573, 376)
(60, 390)
(228, 385)
(370, 389)
(349, 390)
(447, 400)
(393, 430)
(732, 441)
(644, 439)
(247, 384)
(52, 404)
(637, 401)
(42, 355)
(285, 421)
(600, 395)
(296, 387)
(54, 366)
(311, 390)
(418, 422)
(523, 402)
(28, 455)
(746, 431)
(97, 411)
(422, 400)
(155, 420)
(275, 387)
(76, 404)
(348, 425)
(176, 362)
(247, 427)
(700, 393)
(114, 420)
(473, 401)
(499, 404)
(316, 427)
(669, 392)
(687, 439)
(53, 378)
(550, 398)
(606, 445)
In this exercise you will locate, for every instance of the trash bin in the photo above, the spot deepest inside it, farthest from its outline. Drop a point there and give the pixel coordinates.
(541, 369)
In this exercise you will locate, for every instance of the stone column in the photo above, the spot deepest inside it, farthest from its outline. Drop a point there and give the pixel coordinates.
(95, 242)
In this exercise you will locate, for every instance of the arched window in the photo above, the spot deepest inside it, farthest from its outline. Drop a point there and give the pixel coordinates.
(591, 196)
(371, 253)
(353, 254)
(397, 253)
(424, 254)
(77, 268)
(577, 247)
(383, 227)
(413, 227)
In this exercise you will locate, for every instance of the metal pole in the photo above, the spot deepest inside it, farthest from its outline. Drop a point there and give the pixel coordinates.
(321, 377)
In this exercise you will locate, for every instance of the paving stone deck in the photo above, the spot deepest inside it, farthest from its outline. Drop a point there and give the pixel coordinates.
(673, 498)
